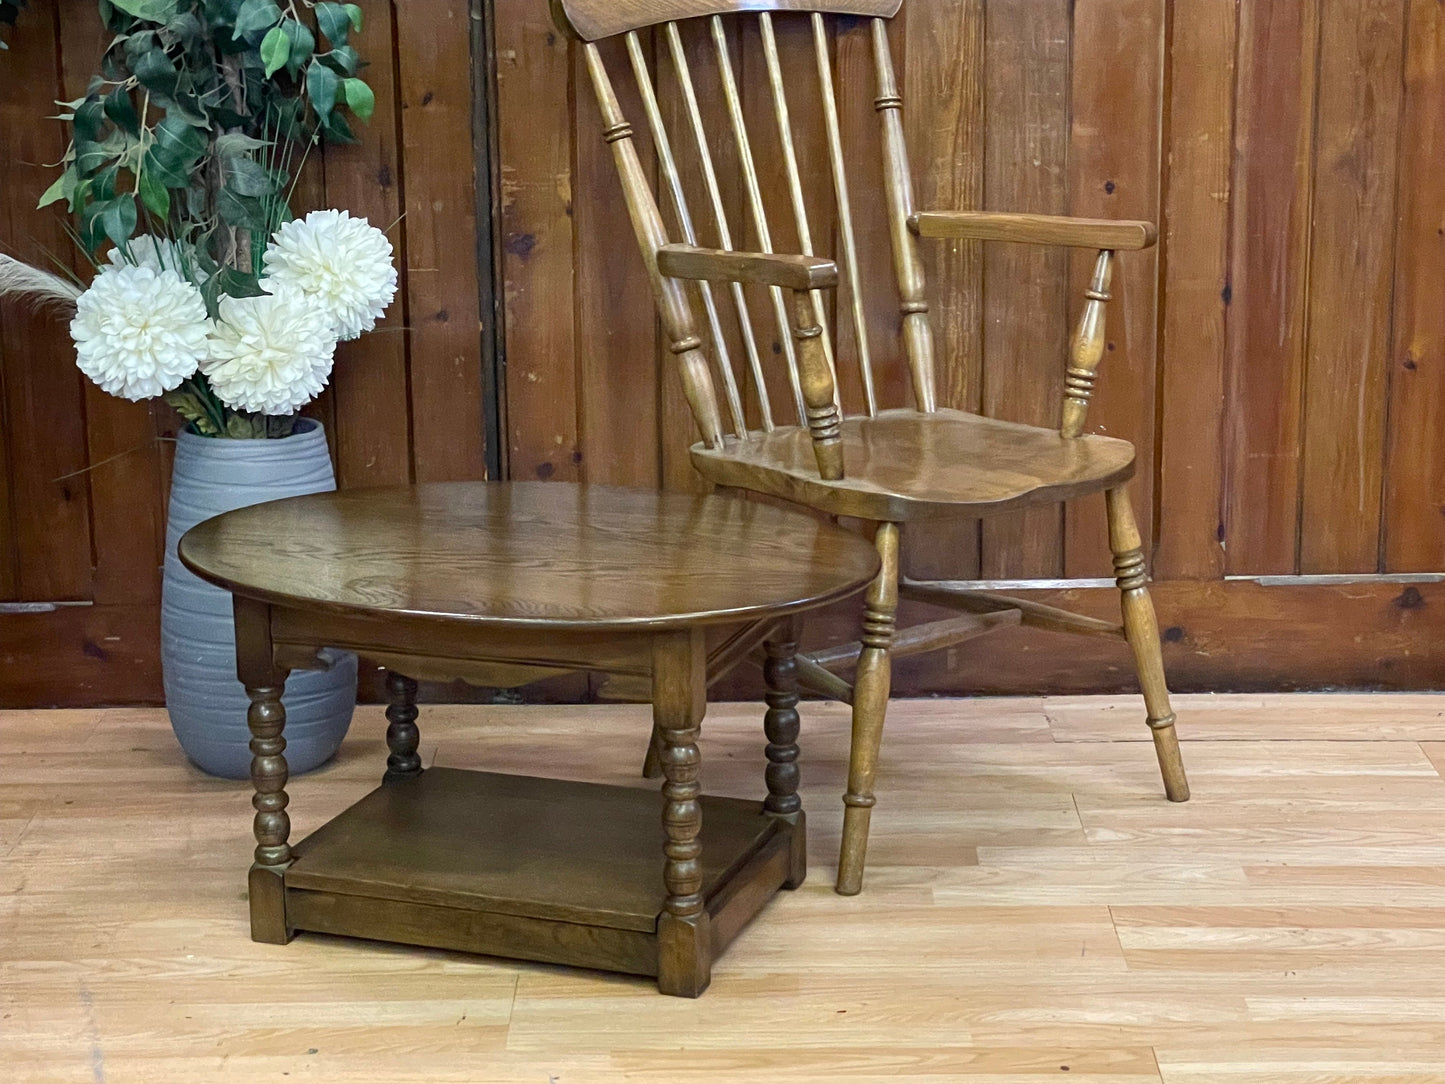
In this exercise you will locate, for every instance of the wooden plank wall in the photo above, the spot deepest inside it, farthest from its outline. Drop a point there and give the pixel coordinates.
(83, 476)
(1277, 360)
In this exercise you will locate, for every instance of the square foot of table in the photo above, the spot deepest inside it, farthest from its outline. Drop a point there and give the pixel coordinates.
(536, 869)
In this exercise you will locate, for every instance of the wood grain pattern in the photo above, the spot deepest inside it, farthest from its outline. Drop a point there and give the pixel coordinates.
(1357, 133)
(1195, 257)
(443, 309)
(1025, 332)
(373, 442)
(1269, 282)
(1113, 168)
(1096, 233)
(1415, 490)
(763, 269)
(525, 554)
(1028, 908)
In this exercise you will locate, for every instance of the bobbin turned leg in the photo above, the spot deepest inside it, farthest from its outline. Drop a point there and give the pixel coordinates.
(781, 725)
(1142, 630)
(402, 735)
(265, 682)
(870, 705)
(679, 690)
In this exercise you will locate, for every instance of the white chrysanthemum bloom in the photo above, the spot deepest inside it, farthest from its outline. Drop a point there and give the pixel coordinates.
(270, 354)
(139, 333)
(157, 253)
(341, 263)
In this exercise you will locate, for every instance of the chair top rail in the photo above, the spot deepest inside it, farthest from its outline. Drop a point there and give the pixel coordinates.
(592, 20)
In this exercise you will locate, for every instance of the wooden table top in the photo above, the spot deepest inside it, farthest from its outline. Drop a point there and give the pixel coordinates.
(531, 555)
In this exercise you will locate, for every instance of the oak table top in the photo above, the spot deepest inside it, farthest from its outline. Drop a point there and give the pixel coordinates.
(497, 584)
(531, 554)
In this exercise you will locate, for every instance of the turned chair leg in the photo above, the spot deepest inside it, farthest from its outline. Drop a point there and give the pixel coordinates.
(781, 724)
(402, 734)
(1141, 628)
(870, 704)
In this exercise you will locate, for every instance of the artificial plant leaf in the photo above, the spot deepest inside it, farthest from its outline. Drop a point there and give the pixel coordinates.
(177, 142)
(237, 283)
(359, 98)
(120, 109)
(354, 14)
(238, 210)
(244, 427)
(154, 70)
(344, 60)
(104, 182)
(238, 143)
(185, 28)
(255, 15)
(303, 44)
(89, 156)
(321, 85)
(156, 11)
(153, 193)
(247, 177)
(334, 22)
(55, 193)
(275, 50)
(338, 131)
(165, 171)
(89, 118)
(118, 219)
(189, 407)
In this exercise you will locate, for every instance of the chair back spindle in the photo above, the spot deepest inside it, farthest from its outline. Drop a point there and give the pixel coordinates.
(672, 303)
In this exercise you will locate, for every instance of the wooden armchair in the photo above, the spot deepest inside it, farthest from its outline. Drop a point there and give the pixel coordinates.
(887, 467)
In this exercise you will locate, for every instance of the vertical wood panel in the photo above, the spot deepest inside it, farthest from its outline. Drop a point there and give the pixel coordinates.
(617, 362)
(1195, 252)
(1025, 333)
(127, 517)
(1350, 285)
(1274, 146)
(434, 51)
(535, 144)
(944, 92)
(44, 422)
(1114, 164)
(1415, 470)
(372, 425)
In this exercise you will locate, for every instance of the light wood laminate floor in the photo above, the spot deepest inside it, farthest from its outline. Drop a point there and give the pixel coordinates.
(1034, 909)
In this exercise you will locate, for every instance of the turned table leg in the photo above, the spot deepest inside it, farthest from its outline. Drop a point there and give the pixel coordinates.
(679, 691)
(267, 720)
(402, 735)
(781, 724)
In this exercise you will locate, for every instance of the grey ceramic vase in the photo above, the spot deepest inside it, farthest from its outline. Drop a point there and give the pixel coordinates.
(207, 703)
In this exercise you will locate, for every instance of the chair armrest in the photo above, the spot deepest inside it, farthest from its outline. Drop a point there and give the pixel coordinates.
(766, 269)
(1095, 233)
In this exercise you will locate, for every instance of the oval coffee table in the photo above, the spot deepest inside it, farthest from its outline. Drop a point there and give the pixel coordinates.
(498, 583)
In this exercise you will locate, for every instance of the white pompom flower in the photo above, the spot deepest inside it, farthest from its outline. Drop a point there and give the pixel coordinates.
(270, 354)
(342, 264)
(156, 253)
(139, 333)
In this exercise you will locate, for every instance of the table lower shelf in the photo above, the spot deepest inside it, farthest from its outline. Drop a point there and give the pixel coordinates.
(536, 869)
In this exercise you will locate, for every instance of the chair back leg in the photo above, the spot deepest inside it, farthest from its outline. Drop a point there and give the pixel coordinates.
(870, 705)
(1141, 628)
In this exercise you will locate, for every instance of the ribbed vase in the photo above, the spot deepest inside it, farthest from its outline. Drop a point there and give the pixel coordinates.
(207, 703)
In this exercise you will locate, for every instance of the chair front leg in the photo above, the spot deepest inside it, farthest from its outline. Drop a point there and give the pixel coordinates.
(1141, 628)
(870, 705)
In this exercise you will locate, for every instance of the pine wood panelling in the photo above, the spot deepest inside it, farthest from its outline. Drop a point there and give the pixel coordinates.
(1195, 252)
(1415, 485)
(373, 447)
(434, 85)
(1025, 306)
(1114, 149)
(535, 140)
(1269, 282)
(1357, 143)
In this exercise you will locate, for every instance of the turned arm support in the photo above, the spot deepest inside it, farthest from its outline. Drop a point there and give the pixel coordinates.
(802, 275)
(1096, 233)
